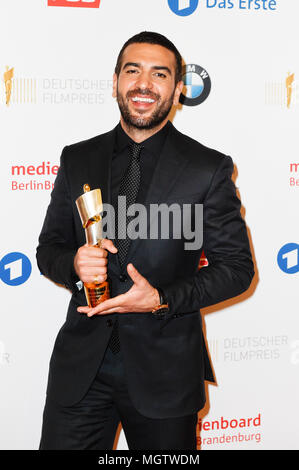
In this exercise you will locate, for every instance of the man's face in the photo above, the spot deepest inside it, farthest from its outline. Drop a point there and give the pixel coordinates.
(145, 88)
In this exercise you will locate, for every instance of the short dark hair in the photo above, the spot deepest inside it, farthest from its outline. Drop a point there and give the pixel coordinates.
(149, 37)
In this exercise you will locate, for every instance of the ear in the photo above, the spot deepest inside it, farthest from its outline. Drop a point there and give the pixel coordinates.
(177, 93)
(114, 90)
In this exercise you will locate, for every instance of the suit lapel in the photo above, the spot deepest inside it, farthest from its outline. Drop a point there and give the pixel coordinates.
(100, 166)
(99, 176)
(169, 168)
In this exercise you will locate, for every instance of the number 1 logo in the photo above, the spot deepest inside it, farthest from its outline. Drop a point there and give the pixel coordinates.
(288, 258)
(15, 268)
(183, 7)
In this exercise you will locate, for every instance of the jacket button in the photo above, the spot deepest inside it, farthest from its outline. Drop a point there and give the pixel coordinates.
(122, 278)
(109, 322)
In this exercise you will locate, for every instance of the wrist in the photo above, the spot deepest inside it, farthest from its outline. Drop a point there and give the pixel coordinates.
(162, 305)
(156, 300)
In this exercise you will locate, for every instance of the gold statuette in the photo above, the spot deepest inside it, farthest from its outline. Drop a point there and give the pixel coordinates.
(90, 206)
(8, 76)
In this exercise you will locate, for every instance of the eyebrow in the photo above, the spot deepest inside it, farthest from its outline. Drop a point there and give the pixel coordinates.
(155, 67)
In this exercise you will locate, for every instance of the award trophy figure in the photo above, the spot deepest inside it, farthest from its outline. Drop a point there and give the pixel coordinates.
(90, 206)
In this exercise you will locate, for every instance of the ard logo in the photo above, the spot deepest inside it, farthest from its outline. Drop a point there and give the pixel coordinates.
(288, 258)
(15, 268)
(183, 7)
(74, 3)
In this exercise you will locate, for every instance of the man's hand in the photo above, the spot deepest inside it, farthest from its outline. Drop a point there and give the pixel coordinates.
(142, 297)
(91, 261)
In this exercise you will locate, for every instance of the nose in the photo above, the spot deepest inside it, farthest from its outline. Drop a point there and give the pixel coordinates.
(144, 80)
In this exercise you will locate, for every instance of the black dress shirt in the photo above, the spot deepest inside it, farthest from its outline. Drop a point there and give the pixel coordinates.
(149, 157)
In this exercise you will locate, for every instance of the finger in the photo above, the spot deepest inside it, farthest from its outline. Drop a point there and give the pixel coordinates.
(108, 312)
(94, 271)
(108, 304)
(134, 274)
(93, 278)
(93, 262)
(84, 309)
(88, 311)
(91, 252)
(108, 245)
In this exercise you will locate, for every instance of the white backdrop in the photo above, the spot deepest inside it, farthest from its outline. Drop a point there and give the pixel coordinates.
(63, 60)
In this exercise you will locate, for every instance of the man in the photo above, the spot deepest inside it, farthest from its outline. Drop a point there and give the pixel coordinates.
(139, 357)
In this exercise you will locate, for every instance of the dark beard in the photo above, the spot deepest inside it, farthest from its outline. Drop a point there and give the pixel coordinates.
(139, 122)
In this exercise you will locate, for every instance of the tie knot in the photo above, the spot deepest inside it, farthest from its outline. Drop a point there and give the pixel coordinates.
(135, 150)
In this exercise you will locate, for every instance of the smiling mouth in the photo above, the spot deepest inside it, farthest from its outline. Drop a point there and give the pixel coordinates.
(142, 98)
(139, 99)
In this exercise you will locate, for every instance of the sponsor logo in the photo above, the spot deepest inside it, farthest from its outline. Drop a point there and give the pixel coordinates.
(15, 269)
(187, 7)
(8, 78)
(74, 3)
(228, 431)
(289, 87)
(22, 174)
(15, 89)
(288, 258)
(261, 5)
(248, 348)
(293, 180)
(86, 91)
(183, 7)
(283, 93)
(197, 85)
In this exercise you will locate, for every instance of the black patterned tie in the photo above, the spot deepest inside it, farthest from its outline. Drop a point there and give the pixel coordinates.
(129, 188)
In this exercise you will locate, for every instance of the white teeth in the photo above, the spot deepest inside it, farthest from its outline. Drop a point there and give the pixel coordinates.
(143, 100)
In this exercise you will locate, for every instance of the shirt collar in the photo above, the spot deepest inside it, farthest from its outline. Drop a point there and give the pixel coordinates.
(153, 144)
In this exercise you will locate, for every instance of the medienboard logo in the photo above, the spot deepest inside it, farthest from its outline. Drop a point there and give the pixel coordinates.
(74, 3)
(293, 180)
(34, 177)
(15, 268)
(228, 431)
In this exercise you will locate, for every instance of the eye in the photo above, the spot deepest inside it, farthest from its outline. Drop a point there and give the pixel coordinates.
(131, 71)
(160, 75)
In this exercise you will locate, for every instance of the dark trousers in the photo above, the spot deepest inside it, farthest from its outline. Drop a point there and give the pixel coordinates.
(92, 423)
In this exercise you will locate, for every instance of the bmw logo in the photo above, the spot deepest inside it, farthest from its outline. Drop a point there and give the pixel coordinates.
(197, 85)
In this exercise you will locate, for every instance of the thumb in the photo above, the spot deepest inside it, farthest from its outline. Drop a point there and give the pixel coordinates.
(108, 245)
(134, 274)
